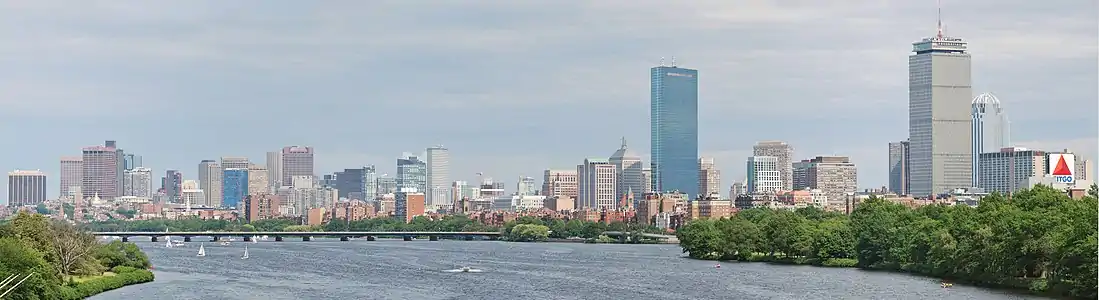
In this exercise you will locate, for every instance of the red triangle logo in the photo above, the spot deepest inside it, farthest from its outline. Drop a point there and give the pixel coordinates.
(1062, 168)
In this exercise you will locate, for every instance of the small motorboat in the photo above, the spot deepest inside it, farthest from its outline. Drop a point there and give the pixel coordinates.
(225, 243)
(178, 243)
(465, 269)
(717, 266)
(946, 284)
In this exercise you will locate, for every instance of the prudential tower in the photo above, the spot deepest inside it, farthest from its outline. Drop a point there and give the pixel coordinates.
(939, 121)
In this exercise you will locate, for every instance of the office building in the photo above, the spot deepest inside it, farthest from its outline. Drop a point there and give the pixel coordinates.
(646, 179)
(438, 177)
(736, 189)
(296, 161)
(369, 183)
(411, 174)
(898, 168)
(274, 170)
(72, 172)
(26, 188)
(629, 169)
(172, 184)
(939, 122)
(597, 181)
(834, 176)
(260, 207)
(784, 154)
(764, 176)
(409, 205)
(558, 183)
(386, 185)
(673, 124)
(526, 186)
(101, 172)
(1007, 171)
(258, 179)
(210, 180)
(709, 177)
(800, 177)
(234, 162)
(190, 194)
(234, 186)
(138, 182)
(990, 131)
(131, 161)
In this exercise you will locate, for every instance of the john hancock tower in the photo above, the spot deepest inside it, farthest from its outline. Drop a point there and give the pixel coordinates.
(673, 122)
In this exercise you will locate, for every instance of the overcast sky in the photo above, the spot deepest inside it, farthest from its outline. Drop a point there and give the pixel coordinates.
(514, 87)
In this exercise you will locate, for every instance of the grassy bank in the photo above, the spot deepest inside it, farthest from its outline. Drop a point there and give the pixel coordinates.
(84, 287)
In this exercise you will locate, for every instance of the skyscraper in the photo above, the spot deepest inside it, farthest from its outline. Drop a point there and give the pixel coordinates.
(709, 177)
(296, 161)
(234, 187)
(72, 169)
(898, 168)
(274, 170)
(784, 153)
(101, 172)
(939, 123)
(560, 183)
(172, 183)
(596, 185)
(26, 188)
(258, 179)
(991, 129)
(438, 177)
(234, 162)
(628, 168)
(526, 187)
(370, 182)
(673, 126)
(763, 175)
(138, 182)
(209, 180)
(411, 174)
(131, 161)
(835, 176)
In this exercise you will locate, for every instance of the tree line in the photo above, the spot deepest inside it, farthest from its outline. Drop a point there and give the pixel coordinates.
(63, 261)
(1039, 239)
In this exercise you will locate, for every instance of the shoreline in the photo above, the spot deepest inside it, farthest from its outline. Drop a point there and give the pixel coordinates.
(121, 277)
(1019, 288)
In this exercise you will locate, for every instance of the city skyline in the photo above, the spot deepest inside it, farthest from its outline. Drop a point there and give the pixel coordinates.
(737, 80)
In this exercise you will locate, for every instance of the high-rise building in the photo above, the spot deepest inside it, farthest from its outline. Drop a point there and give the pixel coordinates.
(386, 185)
(258, 179)
(991, 129)
(597, 183)
(409, 205)
(296, 161)
(834, 176)
(274, 170)
(646, 179)
(26, 188)
(784, 153)
(939, 123)
(1007, 171)
(209, 180)
(172, 184)
(736, 189)
(72, 170)
(101, 172)
(800, 177)
(628, 168)
(673, 125)
(369, 183)
(560, 183)
(709, 177)
(411, 174)
(898, 168)
(234, 162)
(764, 175)
(438, 177)
(131, 161)
(120, 164)
(349, 183)
(190, 194)
(138, 182)
(260, 206)
(526, 186)
(234, 187)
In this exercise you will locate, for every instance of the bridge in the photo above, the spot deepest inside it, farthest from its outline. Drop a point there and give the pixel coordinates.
(306, 236)
(624, 235)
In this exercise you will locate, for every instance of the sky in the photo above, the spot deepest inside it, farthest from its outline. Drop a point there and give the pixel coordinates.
(514, 87)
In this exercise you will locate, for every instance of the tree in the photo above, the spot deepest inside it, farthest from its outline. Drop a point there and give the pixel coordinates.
(18, 258)
(71, 246)
(528, 233)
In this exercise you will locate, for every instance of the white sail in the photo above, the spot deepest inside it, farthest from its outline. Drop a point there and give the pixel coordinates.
(245, 253)
(168, 244)
(201, 250)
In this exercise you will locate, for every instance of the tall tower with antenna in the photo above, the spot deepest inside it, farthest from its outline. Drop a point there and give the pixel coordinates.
(939, 120)
(673, 124)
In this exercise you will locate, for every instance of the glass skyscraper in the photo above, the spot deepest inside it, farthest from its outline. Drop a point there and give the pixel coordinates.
(674, 129)
(411, 174)
(234, 187)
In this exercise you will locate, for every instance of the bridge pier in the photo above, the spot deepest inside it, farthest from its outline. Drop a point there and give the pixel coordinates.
(247, 238)
(468, 238)
(433, 238)
(214, 239)
(407, 238)
(370, 238)
(186, 239)
(344, 238)
(278, 238)
(154, 239)
(125, 239)
(306, 238)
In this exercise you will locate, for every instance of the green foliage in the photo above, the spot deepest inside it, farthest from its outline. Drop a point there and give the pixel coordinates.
(42, 209)
(123, 276)
(1039, 239)
(19, 258)
(528, 233)
(119, 254)
(128, 213)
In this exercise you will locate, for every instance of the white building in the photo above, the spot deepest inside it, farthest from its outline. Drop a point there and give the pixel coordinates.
(709, 177)
(137, 182)
(526, 186)
(438, 178)
(991, 129)
(597, 184)
(783, 154)
(210, 180)
(274, 170)
(764, 175)
(191, 195)
(1007, 170)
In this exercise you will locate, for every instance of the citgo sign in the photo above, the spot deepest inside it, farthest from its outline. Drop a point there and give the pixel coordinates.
(1061, 167)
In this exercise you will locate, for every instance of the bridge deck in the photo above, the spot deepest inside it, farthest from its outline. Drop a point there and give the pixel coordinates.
(297, 233)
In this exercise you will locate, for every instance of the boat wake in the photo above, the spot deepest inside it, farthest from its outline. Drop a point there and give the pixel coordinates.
(464, 270)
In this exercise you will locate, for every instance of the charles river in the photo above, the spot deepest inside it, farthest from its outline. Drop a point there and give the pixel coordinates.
(394, 269)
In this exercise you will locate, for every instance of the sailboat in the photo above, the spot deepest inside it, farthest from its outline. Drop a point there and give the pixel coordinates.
(245, 253)
(168, 244)
(255, 239)
(201, 250)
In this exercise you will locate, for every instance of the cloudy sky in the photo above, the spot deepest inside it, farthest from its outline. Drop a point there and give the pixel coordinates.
(513, 87)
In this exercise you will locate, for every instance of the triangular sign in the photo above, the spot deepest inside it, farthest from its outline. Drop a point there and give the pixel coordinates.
(1062, 168)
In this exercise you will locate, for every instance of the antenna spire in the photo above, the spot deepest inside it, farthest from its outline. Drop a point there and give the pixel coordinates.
(661, 61)
(939, 26)
(673, 61)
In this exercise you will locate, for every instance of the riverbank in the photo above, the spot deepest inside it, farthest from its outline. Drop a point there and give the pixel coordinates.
(118, 277)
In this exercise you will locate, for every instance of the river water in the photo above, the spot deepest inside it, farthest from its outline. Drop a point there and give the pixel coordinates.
(394, 269)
